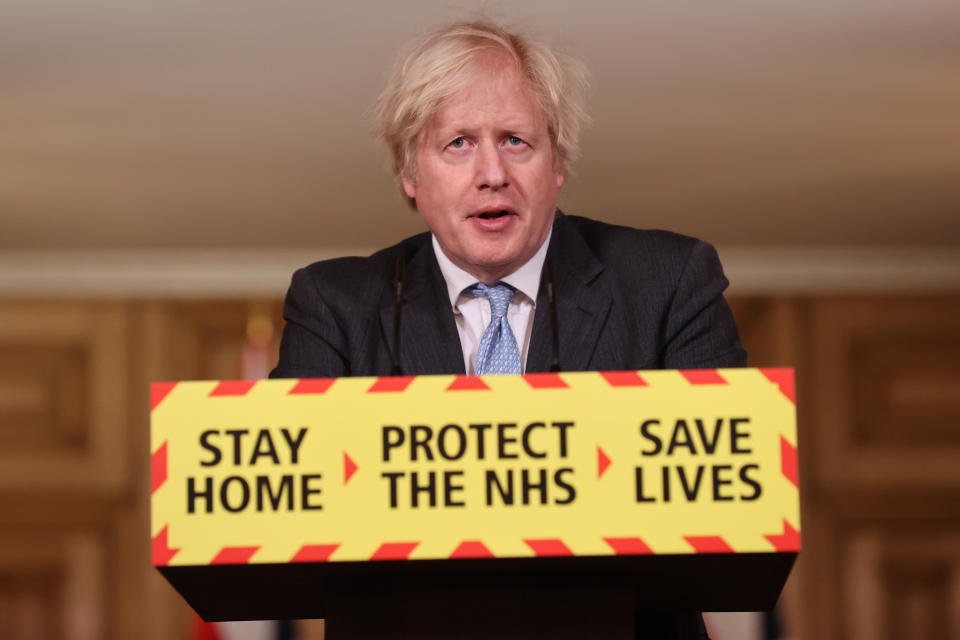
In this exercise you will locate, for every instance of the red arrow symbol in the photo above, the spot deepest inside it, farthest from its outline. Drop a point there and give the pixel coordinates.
(349, 468)
(602, 462)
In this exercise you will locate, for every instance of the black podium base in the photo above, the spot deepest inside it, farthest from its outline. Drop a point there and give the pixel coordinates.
(503, 597)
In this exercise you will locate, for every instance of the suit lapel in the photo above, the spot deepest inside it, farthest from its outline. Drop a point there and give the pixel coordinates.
(582, 307)
(429, 342)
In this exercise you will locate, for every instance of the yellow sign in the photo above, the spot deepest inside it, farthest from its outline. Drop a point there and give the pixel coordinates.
(430, 467)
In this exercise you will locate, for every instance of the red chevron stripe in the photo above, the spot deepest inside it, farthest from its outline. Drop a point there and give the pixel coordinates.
(314, 553)
(160, 549)
(234, 555)
(390, 383)
(783, 378)
(233, 388)
(549, 547)
(158, 467)
(789, 540)
(788, 461)
(159, 391)
(311, 385)
(468, 383)
(702, 376)
(472, 549)
(624, 379)
(708, 544)
(628, 546)
(394, 551)
(545, 381)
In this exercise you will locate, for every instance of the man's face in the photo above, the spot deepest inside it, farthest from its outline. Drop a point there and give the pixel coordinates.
(486, 183)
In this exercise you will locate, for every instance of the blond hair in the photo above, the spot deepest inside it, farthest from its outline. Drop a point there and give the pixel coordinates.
(436, 66)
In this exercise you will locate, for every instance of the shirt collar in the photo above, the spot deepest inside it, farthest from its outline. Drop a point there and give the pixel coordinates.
(526, 279)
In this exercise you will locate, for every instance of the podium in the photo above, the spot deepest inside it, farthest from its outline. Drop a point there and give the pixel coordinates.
(546, 505)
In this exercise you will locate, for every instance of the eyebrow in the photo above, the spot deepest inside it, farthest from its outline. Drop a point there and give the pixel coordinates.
(525, 130)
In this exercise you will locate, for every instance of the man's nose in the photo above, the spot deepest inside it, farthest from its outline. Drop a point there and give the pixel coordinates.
(491, 170)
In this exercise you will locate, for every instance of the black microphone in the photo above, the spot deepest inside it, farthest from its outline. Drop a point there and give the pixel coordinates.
(398, 277)
(555, 334)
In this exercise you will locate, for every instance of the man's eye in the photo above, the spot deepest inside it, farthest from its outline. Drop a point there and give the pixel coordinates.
(515, 141)
(457, 143)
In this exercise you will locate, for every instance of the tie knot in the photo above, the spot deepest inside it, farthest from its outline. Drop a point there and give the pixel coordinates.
(499, 296)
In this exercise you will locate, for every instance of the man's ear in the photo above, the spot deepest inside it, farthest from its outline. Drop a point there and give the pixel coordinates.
(409, 187)
(560, 178)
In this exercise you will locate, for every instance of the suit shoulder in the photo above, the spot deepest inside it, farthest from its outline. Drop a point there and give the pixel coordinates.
(359, 279)
(610, 241)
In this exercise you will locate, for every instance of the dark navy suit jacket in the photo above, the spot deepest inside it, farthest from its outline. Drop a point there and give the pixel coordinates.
(626, 299)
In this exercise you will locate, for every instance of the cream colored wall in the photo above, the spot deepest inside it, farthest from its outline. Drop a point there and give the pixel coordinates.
(176, 124)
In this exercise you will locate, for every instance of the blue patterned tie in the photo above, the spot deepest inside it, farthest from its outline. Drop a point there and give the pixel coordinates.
(498, 353)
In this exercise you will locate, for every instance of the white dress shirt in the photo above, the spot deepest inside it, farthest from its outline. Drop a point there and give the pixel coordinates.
(472, 313)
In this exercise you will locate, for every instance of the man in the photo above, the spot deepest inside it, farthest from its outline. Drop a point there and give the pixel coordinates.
(482, 125)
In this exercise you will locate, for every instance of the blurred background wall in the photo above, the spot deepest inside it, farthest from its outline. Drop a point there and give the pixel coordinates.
(165, 166)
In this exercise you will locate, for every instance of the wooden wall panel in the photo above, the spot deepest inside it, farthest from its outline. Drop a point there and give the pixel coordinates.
(51, 584)
(887, 400)
(769, 329)
(43, 393)
(65, 464)
(907, 391)
(202, 340)
(74, 457)
(63, 397)
(884, 567)
(882, 473)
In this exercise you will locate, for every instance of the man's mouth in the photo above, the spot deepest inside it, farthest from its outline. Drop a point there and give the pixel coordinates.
(494, 219)
(492, 215)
